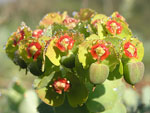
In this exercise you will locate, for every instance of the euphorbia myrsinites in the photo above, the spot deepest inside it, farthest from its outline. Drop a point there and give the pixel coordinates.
(70, 55)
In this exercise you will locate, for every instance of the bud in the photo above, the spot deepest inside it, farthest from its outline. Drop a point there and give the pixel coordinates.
(35, 67)
(98, 73)
(19, 61)
(68, 61)
(133, 72)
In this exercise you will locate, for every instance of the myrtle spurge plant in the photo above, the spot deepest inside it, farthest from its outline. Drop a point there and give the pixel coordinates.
(80, 60)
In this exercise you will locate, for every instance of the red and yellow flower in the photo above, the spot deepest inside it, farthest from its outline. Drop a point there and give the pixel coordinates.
(100, 51)
(61, 85)
(65, 43)
(34, 50)
(130, 50)
(37, 33)
(114, 27)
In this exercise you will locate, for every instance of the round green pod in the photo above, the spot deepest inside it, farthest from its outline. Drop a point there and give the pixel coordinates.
(68, 61)
(98, 73)
(35, 67)
(19, 61)
(133, 72)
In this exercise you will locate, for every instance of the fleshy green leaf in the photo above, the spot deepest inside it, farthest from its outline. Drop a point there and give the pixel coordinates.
(50, 97)
(44, 108)
(118, 108)
(45, 80)
(100, 31)
(53, 54)
(103, 98)
(36, 82)
(83, 73)
(78, 93)
(82, 52)
(48, 94)
(65, 108)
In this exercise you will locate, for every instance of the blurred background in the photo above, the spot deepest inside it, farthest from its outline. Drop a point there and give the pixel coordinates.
(13, 12)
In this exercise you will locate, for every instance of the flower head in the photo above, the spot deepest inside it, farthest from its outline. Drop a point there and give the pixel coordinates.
(65, 43)
(130, 50)
(37, 33)
(34, 50)
(114, 27)
(61, 85)
(70, 22)
(100, 51)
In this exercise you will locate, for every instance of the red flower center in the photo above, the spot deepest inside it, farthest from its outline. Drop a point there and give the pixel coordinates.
(65, 43)
(19, 37)
(61, 85)
(99, 52)
(130, 50)
(34, 50)
(37, 33)
(114, 27)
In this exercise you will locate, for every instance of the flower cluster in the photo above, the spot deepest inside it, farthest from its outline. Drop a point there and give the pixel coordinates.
(69, 55)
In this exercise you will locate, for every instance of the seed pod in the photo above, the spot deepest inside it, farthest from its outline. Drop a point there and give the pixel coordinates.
(68, 61)
(98, 73)
(19, 61)
(35, 67)
(133, 72)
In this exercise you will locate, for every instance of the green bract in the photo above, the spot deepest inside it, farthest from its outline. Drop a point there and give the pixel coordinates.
(79, 61)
